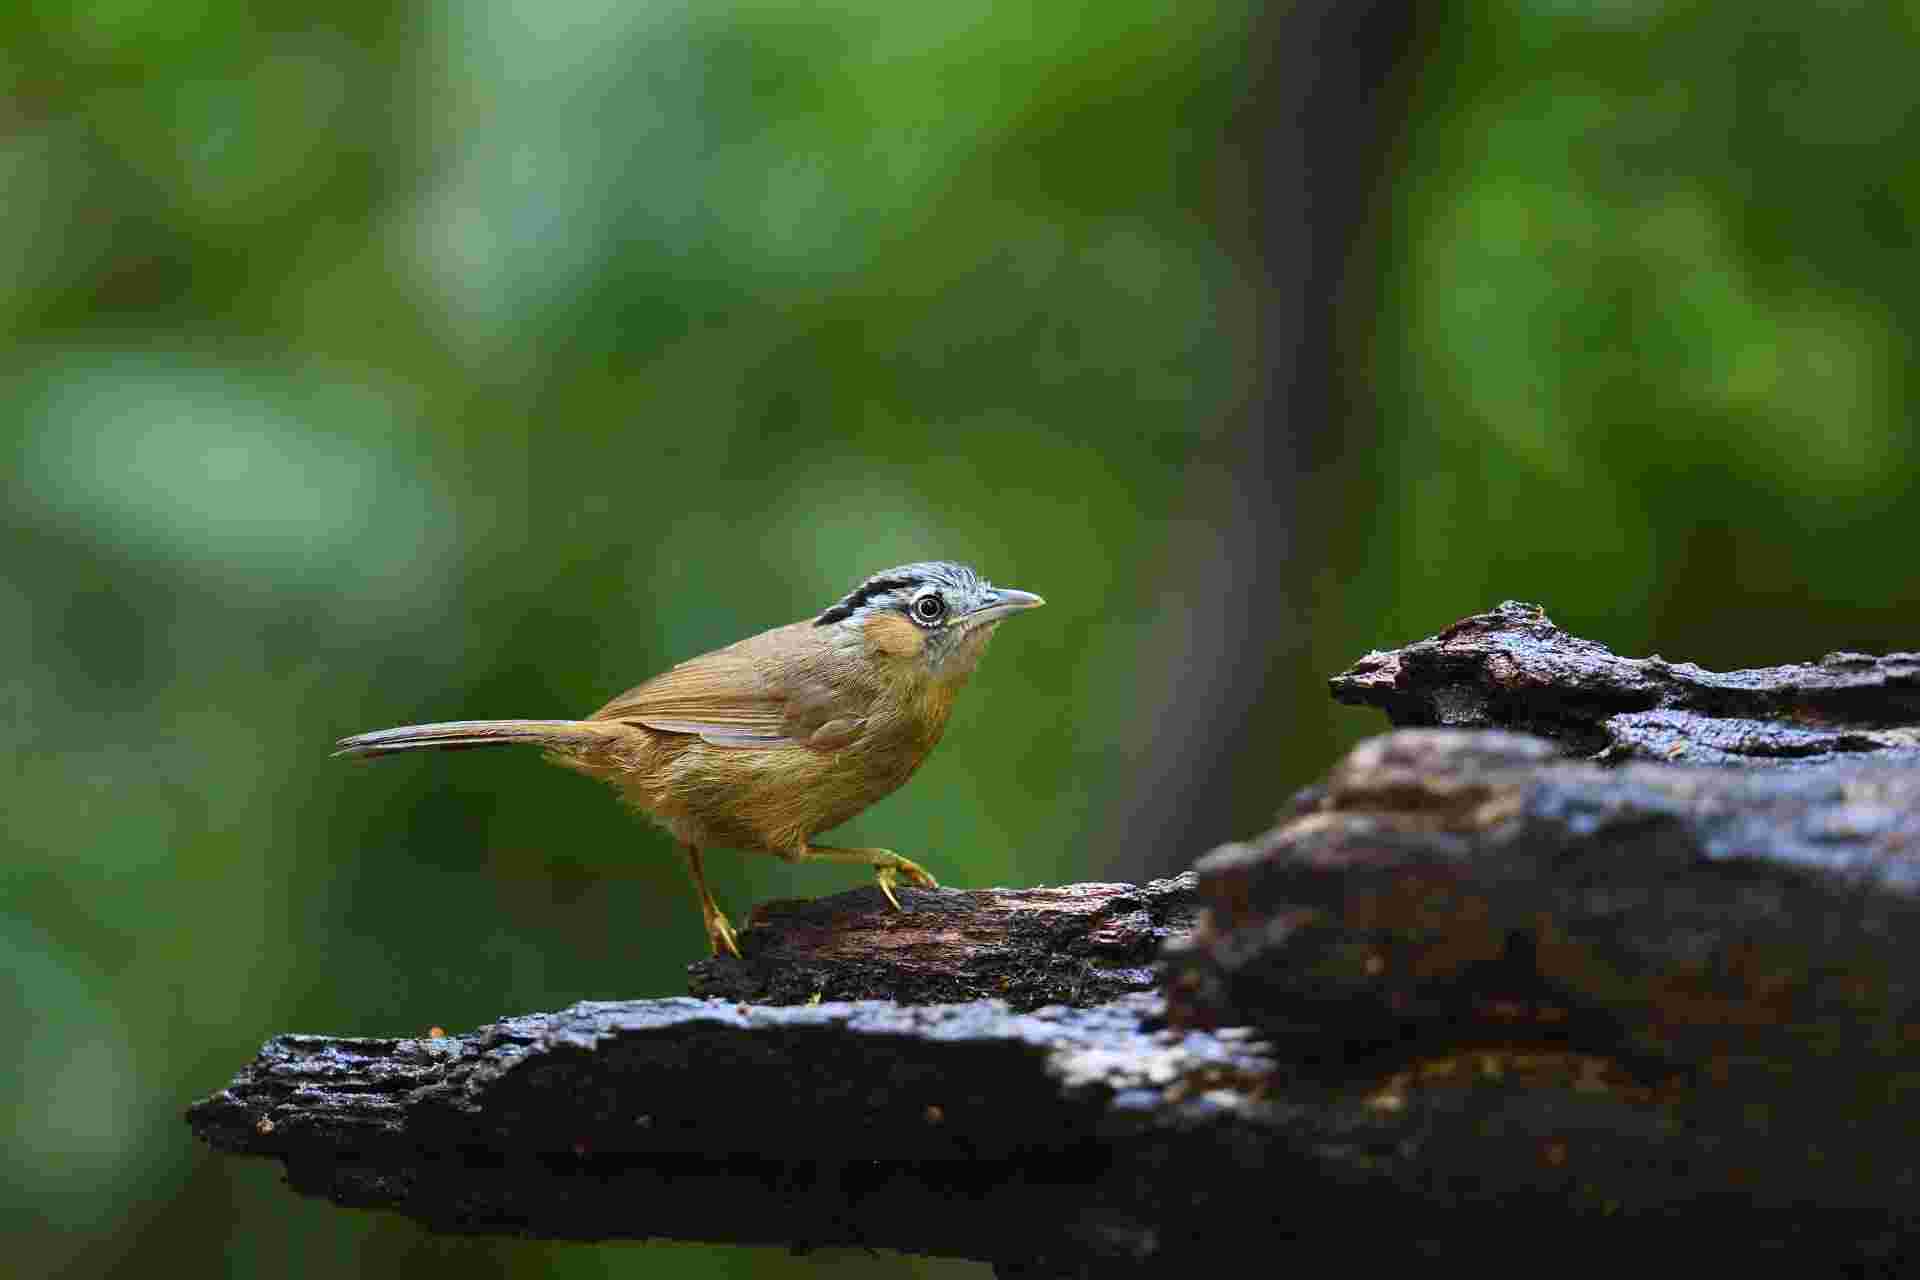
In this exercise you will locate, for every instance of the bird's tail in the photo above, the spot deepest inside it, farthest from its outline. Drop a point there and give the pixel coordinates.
(454, 734)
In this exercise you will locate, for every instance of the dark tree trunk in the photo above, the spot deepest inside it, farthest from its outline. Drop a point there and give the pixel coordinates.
(1224, 659)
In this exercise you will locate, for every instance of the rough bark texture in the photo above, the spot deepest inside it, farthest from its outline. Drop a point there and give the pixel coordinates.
(1464, 984)
(964, 1130)
(1078, 944)
(1731, 957)
(1448, 883)
(1512, 668)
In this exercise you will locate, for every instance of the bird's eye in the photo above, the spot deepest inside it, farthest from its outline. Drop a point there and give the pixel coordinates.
(928, 608)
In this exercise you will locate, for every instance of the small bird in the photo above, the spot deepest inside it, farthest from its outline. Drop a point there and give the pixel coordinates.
(765, 743)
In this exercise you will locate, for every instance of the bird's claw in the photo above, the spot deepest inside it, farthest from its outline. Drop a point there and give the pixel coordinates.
(900, 868)
(720, 936)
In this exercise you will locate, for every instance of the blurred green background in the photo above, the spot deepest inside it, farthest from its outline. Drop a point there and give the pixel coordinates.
(464, 359)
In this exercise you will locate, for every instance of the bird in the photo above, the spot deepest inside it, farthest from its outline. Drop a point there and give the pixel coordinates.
(763, 744)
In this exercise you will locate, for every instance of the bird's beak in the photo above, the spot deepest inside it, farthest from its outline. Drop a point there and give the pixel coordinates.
(1003, 601)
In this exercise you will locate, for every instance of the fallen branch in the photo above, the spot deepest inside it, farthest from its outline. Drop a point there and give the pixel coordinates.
(1512, 668)
(966, 1130)
(1463, 979)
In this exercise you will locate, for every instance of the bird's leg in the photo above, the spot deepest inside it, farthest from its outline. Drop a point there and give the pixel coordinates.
(719, 932)
(887, 865)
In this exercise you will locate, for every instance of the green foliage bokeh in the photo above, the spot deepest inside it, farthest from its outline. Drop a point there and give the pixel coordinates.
(446, 360)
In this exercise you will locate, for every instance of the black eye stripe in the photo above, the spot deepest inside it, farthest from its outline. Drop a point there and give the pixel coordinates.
(904, 579)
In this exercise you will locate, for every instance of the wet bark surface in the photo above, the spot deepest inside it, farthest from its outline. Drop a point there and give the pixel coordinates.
(1463, 978)
(966, 1130)
(1512, 668)
(1447, 889)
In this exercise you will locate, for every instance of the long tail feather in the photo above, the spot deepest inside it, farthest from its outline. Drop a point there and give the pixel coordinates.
(454, 734)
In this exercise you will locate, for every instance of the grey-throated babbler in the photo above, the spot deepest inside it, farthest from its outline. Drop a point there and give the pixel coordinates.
(765, 743)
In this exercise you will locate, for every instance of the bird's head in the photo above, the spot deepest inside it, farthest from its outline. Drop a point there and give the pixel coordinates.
(937, 612)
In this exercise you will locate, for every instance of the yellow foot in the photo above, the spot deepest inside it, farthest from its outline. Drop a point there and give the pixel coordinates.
(720, 936)
(887, 865)
(885, 874)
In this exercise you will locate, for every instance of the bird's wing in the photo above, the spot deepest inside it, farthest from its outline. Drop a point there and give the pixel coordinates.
(746, 695)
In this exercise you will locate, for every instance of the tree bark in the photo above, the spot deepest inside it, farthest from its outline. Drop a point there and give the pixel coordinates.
(1511, 668)
(1078, 944)
(1462, 978)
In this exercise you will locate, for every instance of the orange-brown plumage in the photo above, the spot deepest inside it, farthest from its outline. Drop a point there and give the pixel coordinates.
(765, 743)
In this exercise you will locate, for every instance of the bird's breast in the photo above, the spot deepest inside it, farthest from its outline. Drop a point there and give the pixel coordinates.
(779, 797)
